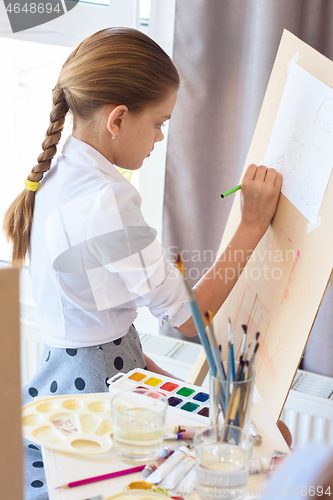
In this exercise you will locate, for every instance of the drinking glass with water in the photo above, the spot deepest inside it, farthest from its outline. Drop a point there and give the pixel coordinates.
(138, 424)
(223, 464)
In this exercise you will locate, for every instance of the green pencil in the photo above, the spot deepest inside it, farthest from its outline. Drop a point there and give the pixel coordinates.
(233, 190)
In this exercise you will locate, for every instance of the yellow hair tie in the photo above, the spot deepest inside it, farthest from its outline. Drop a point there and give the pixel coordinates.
(31, 185)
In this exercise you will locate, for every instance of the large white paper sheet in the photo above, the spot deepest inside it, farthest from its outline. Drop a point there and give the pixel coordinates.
(301, 143)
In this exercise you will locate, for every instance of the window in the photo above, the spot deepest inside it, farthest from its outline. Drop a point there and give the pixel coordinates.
(145, 6)
(32, 70)
(86, 18)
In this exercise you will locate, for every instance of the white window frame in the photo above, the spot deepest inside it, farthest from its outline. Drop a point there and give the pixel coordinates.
(152, 175)
(81, 21)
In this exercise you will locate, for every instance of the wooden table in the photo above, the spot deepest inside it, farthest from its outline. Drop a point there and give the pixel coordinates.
(62, 468)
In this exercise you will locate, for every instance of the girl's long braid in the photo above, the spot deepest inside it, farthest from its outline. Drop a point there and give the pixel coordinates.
(18, 218)
(53, 135)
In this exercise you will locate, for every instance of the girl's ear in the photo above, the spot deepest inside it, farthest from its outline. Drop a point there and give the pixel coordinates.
(116, 119)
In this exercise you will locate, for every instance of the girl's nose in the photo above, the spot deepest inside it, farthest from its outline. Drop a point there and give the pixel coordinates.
(159, 136)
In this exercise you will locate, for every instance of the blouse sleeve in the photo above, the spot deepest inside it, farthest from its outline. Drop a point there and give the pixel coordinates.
(138, 273)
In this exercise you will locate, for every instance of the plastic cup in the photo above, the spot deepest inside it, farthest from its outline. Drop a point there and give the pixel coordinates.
(138, 424)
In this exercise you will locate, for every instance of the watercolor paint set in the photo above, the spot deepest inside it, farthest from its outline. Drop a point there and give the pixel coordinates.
(184, 399)
(82, 423)
(79, 423)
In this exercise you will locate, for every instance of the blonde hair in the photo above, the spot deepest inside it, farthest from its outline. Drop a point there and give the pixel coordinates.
(113, 66)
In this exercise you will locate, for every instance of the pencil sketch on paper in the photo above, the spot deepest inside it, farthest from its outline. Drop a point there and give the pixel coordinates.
(301, 142)
(323, 124)
(252, 312)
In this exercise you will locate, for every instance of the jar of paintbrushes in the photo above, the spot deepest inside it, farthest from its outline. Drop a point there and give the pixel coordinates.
(231, 383)
(231, 386)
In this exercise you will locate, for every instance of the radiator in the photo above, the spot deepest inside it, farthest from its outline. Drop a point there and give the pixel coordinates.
(308, 411)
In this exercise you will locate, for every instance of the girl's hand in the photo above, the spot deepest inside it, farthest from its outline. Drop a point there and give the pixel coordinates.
(261, 188)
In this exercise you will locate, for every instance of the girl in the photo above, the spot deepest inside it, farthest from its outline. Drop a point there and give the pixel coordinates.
(93, 259)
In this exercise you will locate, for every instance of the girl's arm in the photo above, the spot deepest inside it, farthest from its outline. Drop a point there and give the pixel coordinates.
(260, 192)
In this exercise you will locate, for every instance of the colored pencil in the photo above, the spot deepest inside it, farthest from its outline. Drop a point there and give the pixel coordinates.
(103, 477)
(233, 190)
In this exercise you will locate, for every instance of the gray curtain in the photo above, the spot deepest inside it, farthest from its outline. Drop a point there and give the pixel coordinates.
(225, 50)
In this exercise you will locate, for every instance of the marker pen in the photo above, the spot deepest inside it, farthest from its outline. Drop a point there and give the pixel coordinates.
(230, 191)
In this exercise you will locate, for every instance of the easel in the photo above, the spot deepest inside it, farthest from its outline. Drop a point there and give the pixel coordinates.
(284, 309)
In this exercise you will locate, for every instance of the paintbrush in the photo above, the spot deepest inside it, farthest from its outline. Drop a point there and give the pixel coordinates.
(247, 352)
(231, 410)
(213, 344)
(238, 376)
(232, 354)
(217, 357)
(233, 401)
(246, 394)
(229, 375)
(254, 345)
(196, 315)
(246, 362)
(252, 359)
(243, 346)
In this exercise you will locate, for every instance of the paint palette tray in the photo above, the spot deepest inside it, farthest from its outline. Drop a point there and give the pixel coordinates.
(79, 423)
(184, 399)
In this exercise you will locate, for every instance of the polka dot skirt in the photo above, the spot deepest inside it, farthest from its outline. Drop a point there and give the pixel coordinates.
(74, 371)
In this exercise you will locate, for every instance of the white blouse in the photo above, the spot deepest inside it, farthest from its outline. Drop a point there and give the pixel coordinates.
(93, 258)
